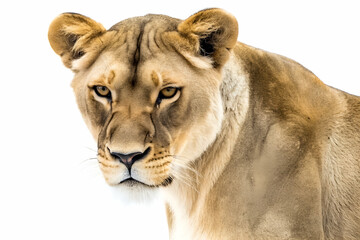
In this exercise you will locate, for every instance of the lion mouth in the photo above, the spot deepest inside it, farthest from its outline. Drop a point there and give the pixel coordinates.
(131, 182)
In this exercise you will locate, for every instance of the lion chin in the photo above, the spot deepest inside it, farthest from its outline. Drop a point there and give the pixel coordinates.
(134, 192)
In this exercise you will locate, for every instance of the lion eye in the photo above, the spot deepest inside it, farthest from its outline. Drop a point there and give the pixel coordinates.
(102, 91)
(168, 92)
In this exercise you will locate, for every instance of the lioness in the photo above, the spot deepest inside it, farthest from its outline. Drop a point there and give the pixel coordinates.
(242, 143)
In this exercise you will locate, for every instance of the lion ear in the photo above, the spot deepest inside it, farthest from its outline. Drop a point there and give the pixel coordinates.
(212, 33)
(71, 35)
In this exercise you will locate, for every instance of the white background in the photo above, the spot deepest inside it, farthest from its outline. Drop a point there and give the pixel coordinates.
(48, 187)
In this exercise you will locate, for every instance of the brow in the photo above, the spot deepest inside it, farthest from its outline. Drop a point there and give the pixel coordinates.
(155, 78)
(103, 79)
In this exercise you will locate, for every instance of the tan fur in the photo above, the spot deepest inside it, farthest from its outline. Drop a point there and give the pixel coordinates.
(252, 146)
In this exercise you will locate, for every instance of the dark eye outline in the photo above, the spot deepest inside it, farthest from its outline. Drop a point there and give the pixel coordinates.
(108, 96)
(161, 96)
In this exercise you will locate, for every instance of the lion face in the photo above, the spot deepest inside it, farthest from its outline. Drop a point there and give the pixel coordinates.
(149, 122)
(148, 89)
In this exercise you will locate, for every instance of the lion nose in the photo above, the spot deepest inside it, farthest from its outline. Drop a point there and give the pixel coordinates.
(130, 158)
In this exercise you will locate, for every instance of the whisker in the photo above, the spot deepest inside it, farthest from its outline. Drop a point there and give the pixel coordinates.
(183, 179)
(186, 166)
(88, 160)
(181, 157)
(183, 172)
(91, 149)
(93, 174)
(89, 168)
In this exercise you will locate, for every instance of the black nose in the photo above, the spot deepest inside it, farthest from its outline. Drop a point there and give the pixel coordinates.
(130, 158)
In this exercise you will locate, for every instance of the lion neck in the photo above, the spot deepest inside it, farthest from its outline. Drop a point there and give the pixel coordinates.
(186, 200)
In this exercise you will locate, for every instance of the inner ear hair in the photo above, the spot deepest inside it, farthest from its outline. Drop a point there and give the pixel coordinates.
(71, 41)
(212, 33)
(207, 45)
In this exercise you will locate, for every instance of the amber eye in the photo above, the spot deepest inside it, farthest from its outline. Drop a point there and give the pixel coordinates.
(102, 91)
(168, 92)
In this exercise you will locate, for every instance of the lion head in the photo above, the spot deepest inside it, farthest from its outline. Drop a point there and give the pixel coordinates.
(148, 89)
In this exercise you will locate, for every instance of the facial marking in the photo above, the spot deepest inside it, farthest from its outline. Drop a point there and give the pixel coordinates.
(155, 78)
(110, 77)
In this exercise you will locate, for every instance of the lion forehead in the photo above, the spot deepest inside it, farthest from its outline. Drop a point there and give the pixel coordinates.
(139, 39)
(134, 51)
